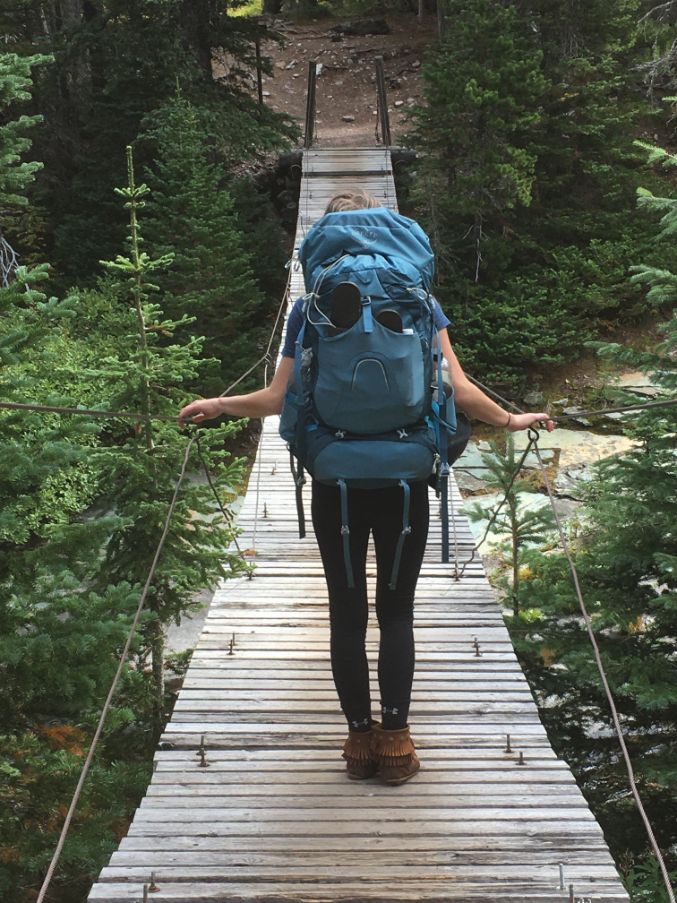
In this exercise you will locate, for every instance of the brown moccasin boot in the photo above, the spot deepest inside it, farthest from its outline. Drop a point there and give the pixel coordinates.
(359, 755)
(396, 755)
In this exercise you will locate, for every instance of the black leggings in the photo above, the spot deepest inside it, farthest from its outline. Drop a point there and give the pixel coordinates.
(378, 511)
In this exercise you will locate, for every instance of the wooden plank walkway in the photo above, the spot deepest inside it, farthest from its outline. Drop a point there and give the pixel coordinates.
(272, 817)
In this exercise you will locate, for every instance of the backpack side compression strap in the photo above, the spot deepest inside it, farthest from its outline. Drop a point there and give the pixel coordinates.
(298, 452)
(406, 530)
(299, 482)
(345, 533)
(443, 449)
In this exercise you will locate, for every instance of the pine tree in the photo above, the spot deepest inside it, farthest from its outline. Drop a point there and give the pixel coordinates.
(115, 61)
(15, 173)
(525, 527)
(527, 173)
(474, 130)
(148, 372)
(59, 633)
(626, 555)
(211, 277)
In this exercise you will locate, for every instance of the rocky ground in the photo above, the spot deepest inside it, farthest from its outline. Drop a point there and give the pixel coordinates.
(346, 84)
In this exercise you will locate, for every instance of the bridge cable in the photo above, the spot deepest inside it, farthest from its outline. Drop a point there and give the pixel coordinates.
(591, 635)
(573, 414)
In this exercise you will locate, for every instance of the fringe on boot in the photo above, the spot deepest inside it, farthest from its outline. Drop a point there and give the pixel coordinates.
(395, 753)
(358, 751)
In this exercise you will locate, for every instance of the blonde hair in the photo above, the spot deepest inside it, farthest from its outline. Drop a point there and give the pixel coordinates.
(354, 199)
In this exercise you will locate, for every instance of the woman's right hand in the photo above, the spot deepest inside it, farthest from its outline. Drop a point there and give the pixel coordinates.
(202, 409)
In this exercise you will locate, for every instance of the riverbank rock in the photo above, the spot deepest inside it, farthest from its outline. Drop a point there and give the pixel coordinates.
(580, 447)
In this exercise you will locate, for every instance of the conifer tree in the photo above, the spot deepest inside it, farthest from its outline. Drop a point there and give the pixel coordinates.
(626, 555)
(148, 371)
(15, 173)
(526, 176)
(211, 278)
(474, 131)
(525, 527)
(59, 632)
(115, 61)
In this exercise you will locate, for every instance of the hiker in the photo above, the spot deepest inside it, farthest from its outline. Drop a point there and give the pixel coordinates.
(395, 512)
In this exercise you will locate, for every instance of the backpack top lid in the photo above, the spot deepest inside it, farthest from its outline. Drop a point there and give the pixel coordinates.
(390, 239)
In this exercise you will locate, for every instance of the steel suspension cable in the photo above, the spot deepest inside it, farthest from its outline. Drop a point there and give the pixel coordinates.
(573, 414)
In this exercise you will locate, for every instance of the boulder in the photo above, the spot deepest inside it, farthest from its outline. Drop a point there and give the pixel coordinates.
(534, 397)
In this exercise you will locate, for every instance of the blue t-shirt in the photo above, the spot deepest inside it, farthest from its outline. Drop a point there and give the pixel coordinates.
(295, 321)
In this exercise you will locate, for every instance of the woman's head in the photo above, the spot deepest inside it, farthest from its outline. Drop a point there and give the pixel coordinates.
(354, 199)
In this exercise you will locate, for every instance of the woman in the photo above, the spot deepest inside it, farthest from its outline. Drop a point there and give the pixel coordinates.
(385, 748)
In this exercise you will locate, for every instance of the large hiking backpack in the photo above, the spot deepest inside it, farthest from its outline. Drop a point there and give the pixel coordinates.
(361, 410)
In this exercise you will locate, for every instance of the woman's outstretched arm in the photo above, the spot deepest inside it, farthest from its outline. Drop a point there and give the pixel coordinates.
(255, 404)
(472, 400)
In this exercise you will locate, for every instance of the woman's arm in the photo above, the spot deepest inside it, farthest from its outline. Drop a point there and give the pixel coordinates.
(255, 404)
(472, 400)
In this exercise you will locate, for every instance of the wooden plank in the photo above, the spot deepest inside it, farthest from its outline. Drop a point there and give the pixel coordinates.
(359, 892)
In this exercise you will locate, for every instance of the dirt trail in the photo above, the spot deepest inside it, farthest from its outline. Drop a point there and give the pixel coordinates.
(346, 87)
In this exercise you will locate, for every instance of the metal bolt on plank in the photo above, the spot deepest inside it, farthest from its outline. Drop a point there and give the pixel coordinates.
(145, 893)
(508, 747)
(231, 645)
(561, 876)
(265, 512)
(153, 888)
(571, 893)
(203, 763)
(476, 644)
(521, 760)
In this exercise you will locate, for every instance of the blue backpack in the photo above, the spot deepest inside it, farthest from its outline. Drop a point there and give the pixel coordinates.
(362, 410)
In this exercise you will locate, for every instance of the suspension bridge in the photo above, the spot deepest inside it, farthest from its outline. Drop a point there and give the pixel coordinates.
(249, 800)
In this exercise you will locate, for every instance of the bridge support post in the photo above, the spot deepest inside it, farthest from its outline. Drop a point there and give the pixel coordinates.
(310, 105)
(384, 119)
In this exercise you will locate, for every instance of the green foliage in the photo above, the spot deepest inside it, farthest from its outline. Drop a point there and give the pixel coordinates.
(626, 556)
(475, 127)
(83, 503)
(147, 372)
(15, 88)
(211, 275)
(115, 62)
(525, 527)
(526, 177)
(39, 770)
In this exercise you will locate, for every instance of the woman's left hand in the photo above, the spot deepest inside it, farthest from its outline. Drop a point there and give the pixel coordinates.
(524, 421)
